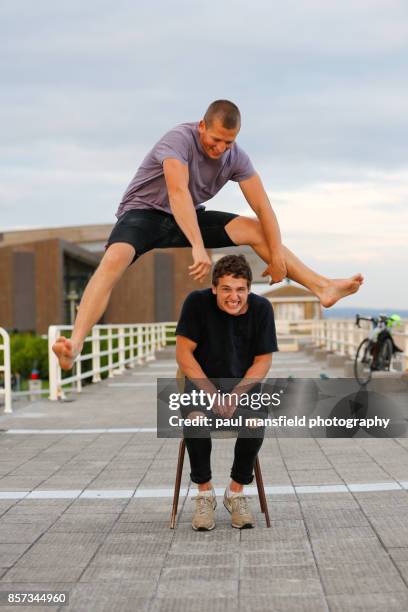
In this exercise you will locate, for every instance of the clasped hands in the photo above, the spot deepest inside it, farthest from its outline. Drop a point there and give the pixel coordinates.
(225, 406)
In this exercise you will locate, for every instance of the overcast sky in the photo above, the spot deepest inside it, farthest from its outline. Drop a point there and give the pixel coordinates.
(89, 87)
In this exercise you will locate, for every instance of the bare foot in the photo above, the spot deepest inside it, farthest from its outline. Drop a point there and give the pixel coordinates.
(66, 352)
(339, 288)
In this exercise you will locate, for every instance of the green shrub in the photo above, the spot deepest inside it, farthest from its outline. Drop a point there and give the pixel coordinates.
(28, 351)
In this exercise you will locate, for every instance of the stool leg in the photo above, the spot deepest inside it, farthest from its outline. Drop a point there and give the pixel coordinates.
(261, 492)
(258, 479)
(180, 463)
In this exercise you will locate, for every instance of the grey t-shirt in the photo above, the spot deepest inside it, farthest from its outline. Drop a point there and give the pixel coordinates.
(206, 176)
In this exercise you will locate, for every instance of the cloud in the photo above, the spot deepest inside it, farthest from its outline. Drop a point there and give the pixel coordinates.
(356, 221)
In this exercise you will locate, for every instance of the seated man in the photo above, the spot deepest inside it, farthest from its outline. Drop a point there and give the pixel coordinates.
(225, 332)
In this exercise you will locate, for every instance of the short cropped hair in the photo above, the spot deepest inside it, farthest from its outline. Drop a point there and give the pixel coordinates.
(224, 110)
(233, 265)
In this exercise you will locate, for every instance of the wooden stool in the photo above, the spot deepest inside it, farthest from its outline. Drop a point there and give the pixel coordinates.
(180, 463)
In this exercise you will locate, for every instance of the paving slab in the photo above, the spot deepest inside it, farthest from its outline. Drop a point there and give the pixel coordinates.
(374, 602)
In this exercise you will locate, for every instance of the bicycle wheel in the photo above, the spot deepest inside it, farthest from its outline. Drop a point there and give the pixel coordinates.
(363, 362)
(385, 355)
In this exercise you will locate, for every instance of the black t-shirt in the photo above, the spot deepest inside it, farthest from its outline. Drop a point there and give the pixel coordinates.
(227, 344)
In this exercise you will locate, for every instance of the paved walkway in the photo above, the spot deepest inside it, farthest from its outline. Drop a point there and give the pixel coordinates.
(85, 498)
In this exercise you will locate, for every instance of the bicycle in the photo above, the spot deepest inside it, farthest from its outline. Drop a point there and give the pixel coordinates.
(375, 353)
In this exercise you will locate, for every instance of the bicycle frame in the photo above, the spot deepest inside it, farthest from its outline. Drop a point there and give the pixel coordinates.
(379, 348)
(379, 331)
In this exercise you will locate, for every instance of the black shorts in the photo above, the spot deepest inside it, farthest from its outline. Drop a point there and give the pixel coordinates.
(154, 229)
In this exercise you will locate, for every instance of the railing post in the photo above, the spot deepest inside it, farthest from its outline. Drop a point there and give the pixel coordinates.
(339, 337)
(344, 338)
(78, 372)
(330, 335)
(150, 343)
(157, 336)
(6, 371)
(163, 335)
(131, 346)
(96, 358)
(153, 339)
(140, 354)
(53, 365)
(121, 342)
(110, 356)
(350, 339)
(355, 340)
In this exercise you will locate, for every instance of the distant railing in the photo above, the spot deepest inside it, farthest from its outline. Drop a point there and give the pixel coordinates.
(343, 337)
(110, 349)
(336, 335)
(6, 370)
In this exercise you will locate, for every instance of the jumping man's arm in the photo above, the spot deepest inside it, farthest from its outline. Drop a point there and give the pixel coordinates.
(181, 204)
(258, 200)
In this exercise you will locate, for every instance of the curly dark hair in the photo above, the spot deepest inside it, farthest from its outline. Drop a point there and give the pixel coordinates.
(234, 265)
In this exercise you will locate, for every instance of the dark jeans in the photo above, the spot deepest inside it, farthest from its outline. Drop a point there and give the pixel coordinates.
(245, 453)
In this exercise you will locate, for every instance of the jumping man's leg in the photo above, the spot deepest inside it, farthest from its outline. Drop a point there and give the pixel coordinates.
(244, 230)
(94, 301)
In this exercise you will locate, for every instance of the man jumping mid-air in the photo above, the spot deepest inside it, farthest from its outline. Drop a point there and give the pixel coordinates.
(163, 207)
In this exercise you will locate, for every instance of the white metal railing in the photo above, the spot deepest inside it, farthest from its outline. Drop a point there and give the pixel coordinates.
(338, 335)
(343, 337)
(109, 348)
(127, 345)
(6, 370)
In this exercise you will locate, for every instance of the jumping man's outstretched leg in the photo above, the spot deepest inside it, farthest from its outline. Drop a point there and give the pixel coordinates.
(94, 301)
(244, 230)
